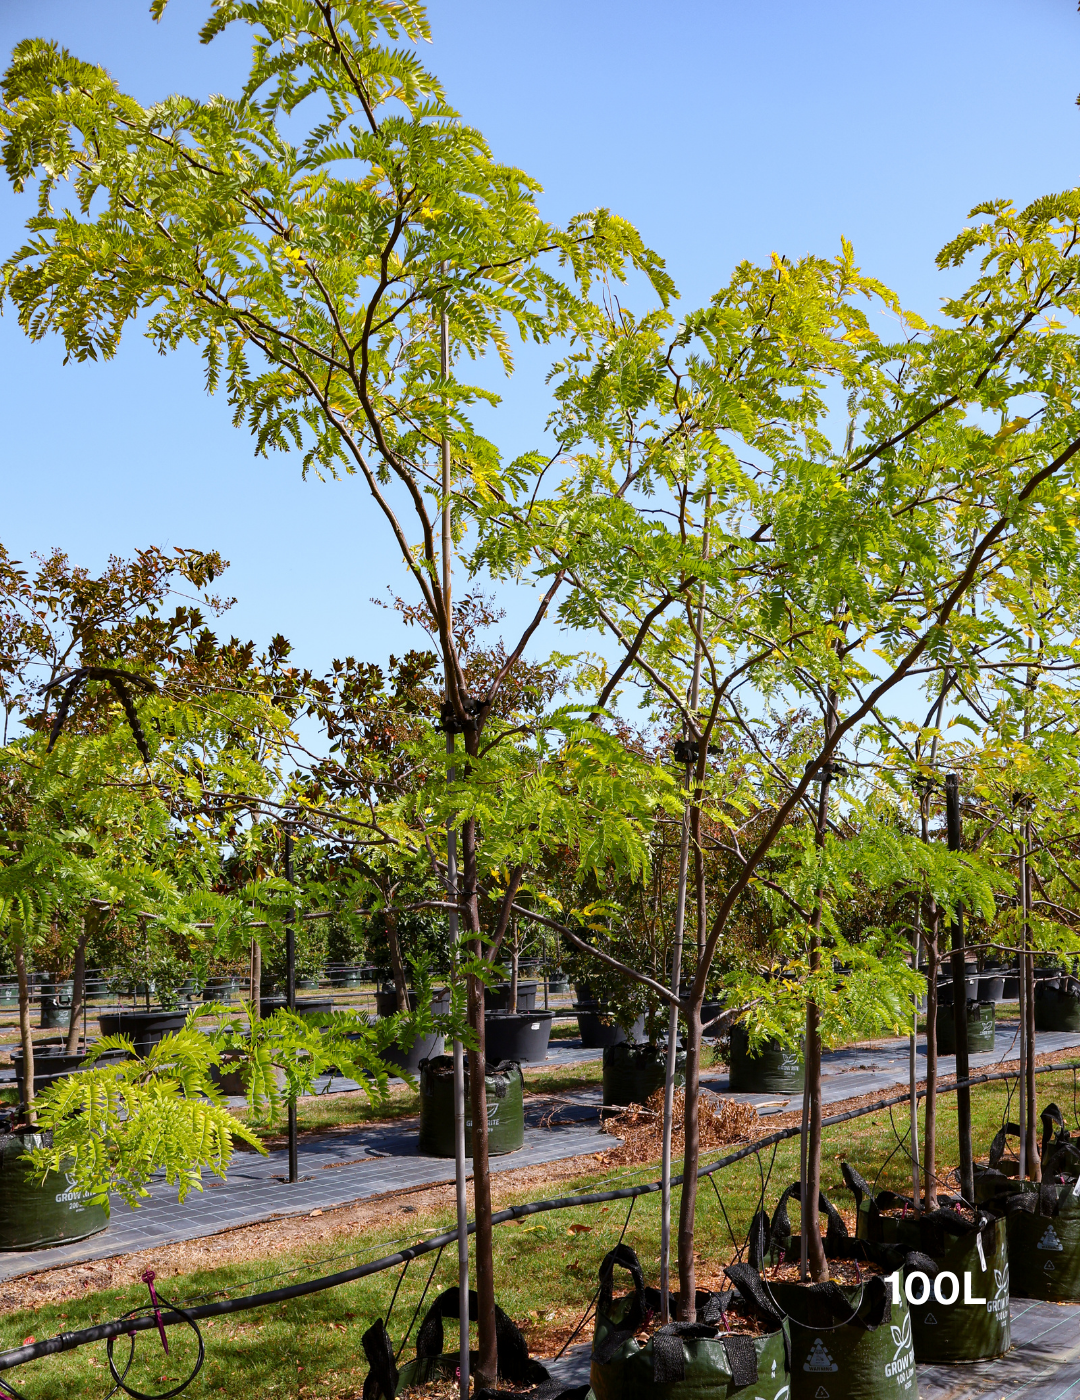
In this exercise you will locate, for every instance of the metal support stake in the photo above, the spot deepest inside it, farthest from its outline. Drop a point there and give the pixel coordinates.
(290, 988)
(960, 1020)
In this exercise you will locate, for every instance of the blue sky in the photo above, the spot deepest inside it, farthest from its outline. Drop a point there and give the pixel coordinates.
(723, 130)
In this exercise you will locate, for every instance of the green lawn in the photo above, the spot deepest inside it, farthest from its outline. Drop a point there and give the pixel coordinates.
(547, 1269)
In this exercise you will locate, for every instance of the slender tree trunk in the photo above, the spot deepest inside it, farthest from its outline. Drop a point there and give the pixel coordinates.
(1034, 1158)
(25, 1034)
(691, 1153)
(78, 990)
(397, 965)
(255, 976)
(960, 1021)
(913, 1122)
(514, 970)
(815, 1253)
(930, 1129)
(487, 1355)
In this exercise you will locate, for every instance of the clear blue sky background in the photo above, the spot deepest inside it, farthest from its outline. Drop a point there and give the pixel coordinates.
(724, 130)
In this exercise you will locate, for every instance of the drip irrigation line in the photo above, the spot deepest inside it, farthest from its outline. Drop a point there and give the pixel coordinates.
(68, 1341)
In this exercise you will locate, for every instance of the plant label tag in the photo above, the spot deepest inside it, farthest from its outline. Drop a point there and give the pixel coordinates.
(979, 1247)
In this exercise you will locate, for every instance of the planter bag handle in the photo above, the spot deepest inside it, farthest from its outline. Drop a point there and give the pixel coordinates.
(746, 1279)
(382, 1376)
(997, 1147)
(836, 1231)
(668, 1356)
(511, 1350)
(757, 1240)
(1051, 1118)
(624, 1256)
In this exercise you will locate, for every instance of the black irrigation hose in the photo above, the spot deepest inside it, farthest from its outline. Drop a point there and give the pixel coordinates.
(68, 1341)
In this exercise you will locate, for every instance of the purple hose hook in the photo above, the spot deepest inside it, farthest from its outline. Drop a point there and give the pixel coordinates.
(148, 1278)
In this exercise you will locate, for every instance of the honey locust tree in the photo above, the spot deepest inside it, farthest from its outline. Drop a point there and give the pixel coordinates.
(334, 282)
(841, 558)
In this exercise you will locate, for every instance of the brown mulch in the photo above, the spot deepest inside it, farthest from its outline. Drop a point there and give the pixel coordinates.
(847, 1272)
(720, 1123)
(322, 1235)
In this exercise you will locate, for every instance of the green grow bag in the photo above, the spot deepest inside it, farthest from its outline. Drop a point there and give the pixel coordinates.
(848, 1343)
(505, 1108)
(684, 1361)
(1057, 1008)
(35, 1213)
(774, 1069)
(978, 1258)
(633, 1072)
(980, 1024)
(1043, 1226)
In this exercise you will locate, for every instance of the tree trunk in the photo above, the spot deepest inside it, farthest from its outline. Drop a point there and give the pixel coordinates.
(397, 965)
(255, 977)
(78, 990)
(514, 970)
(815, 1253)
(1034, 1160)
(691, 1153)
(930, 1130)
(486, 1372)
(25, 1035)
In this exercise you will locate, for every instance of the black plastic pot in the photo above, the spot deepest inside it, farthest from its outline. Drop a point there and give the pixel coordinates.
(386, 1000)
(310, 984)
(1010, 987)
(56, 1005)
(558, 985)
(35, 1213)
(145, 1028)
(346, 976)
(980, 1027)
(305, 1006)
(408, 1059)
(498, 998)
(52, 1064)
(520, 1036)
(774, 1069)
(1057, 1008)
(221, 989)
(945, 990)
(633, 1072)
(598, 1030)
(505, 1106)
(992, 986)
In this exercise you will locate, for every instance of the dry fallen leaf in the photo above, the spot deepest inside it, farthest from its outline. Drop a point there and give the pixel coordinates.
(579, 1230)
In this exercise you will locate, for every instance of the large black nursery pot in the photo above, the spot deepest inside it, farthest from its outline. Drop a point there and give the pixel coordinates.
(847, 1343)
(961, 1313)
(408, 1058)
(498, 998)
(521, 1036)
(346, 976)
(36, 1213)
(505, 1107)
(305, 1006)
(992, 986)
(221, 989)
(772, 1069)
(597, 1029)
(1057, 1004)
(945, 991)
(633, 1072)
(145, 1028)
(386, 1000)
(716, 1358)
(981, 1024)
(56, 1005)
(52, 1063)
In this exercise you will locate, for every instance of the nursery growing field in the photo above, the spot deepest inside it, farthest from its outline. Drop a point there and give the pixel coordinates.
(547, 1265)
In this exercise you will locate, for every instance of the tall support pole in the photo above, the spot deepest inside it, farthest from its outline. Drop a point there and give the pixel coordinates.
(690, 753)
(672, 1056)
(960, 1023)
(460, 1167)
(290, 986)
(913, 1102)
(1025, 1049)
